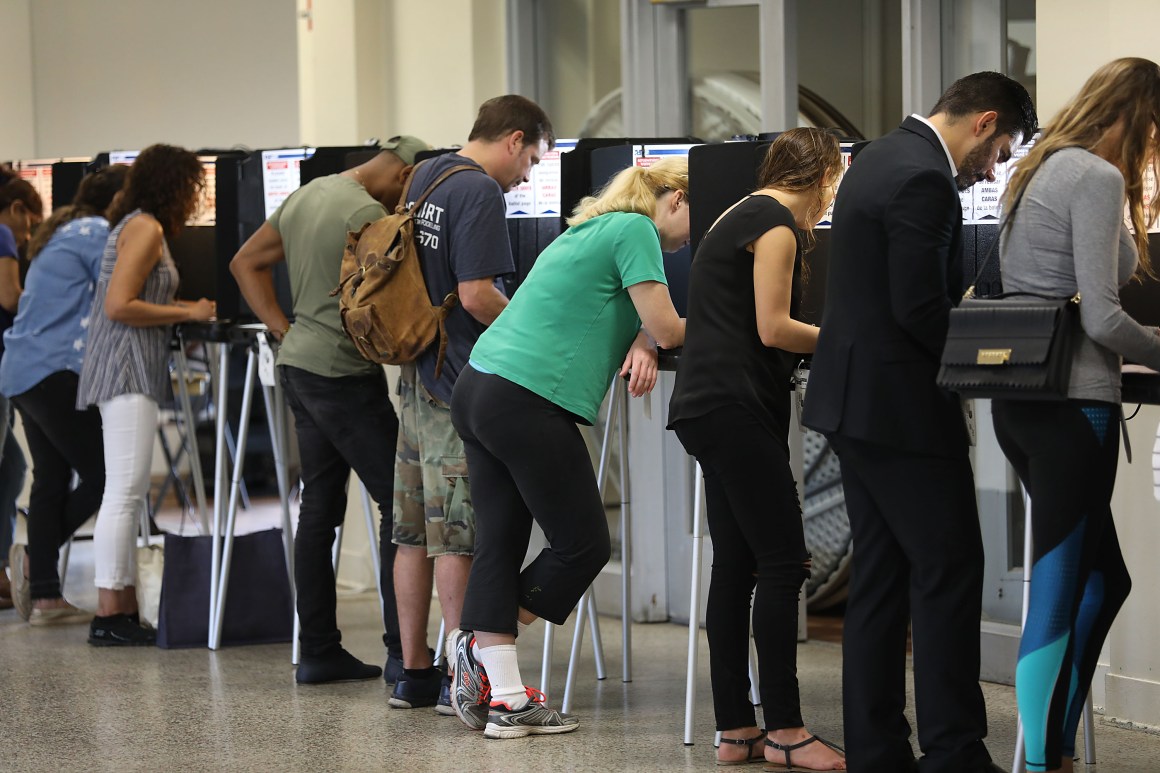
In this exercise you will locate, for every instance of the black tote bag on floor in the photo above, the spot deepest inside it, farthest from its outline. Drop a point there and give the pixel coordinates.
(258, 610)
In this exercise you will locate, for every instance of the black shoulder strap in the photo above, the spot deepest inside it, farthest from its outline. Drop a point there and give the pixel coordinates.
(1004, 225)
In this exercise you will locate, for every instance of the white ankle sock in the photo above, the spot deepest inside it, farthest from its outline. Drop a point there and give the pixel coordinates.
(503, 672)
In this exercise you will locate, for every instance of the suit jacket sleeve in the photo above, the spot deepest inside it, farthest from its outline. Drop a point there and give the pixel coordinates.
(920, 233)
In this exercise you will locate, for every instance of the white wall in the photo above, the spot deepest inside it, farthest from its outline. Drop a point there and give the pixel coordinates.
(16, 135)
(1074, 37)
(122, 75)
(1131, 661)
(447, 57)
(343, 71)
(327, 79)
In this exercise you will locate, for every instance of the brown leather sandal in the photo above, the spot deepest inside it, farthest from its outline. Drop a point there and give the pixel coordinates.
(752, 743)
(785, 749)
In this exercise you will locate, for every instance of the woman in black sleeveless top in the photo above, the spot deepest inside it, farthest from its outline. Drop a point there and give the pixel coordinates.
(731, 410)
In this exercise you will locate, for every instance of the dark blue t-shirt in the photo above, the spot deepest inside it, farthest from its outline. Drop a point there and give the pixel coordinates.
(8, 251)
(461, 234)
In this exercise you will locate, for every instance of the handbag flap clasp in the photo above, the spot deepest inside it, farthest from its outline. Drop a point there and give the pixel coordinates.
(993, 357)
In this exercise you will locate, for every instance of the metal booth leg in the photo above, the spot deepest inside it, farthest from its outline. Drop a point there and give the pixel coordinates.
(221, 484)
(276, 423)
(587, 603)
(189, 435)
(625, 543)
(223, 579)
(546, 661)
(373, 539)
(694, 605)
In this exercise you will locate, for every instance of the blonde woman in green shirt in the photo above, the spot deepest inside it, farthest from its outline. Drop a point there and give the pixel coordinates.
(596, 303)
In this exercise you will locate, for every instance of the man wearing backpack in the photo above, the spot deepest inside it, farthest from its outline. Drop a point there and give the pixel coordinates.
(341, 402)
(462, 241)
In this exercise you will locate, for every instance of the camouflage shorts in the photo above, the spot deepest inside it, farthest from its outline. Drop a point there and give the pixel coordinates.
(432, 504)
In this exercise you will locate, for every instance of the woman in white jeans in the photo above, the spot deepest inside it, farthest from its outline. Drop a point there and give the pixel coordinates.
(126, 368)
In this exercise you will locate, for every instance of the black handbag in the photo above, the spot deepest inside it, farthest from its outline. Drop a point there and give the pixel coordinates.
(1011, 346)
(259, 607)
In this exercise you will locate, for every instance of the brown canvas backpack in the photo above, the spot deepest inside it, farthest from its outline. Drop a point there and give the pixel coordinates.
(382, 296)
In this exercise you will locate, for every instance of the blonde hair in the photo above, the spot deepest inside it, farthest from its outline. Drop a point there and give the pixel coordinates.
(635, 189)
(1125, 89)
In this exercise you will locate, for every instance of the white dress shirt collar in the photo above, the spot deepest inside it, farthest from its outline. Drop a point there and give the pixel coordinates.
(950, 158)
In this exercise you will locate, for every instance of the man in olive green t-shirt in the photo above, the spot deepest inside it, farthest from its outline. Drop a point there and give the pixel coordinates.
(341, 403)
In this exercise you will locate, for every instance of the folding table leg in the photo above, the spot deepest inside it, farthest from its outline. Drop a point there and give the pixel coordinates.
(694, 607)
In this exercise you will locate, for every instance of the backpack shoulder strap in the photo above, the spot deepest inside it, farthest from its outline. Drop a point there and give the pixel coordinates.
(407, 186)
(438, 181)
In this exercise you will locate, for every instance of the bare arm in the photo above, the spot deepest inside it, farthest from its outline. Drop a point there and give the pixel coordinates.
(10, 289)
(253, 269)
(657, 314)
(773, 258)
(138, 251)
(640, 365)
(481, 299)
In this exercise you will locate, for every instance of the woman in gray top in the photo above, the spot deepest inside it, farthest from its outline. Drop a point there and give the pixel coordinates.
(1068, 236)
(126, 367)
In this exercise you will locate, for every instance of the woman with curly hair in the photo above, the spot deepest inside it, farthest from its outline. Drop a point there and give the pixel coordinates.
(43, 352)
(126, 373)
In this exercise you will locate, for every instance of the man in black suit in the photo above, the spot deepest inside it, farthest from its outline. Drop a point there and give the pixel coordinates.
(895, 272)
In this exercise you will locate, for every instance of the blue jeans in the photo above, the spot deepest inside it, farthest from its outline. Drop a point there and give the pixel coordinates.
(12, 470)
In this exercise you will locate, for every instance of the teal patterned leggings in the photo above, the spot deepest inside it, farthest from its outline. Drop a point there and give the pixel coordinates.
(1066, 455)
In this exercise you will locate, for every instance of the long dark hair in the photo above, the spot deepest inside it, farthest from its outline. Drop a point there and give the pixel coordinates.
(93, 198)
(15, 188)
(164, 181)
(802, 159)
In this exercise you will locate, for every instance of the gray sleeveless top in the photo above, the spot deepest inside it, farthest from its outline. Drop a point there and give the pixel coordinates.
(121, 359)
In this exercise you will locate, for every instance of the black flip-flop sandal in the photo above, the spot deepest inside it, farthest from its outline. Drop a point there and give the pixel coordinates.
(786, 749)
(752, 743)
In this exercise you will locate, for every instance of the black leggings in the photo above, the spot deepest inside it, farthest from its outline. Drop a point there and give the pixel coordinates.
(61, 439)
(526, 461)
(1066, 455)
(755, 522)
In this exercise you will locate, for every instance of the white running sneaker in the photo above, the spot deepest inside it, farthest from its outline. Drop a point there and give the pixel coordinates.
(533, 719)
(470, 689)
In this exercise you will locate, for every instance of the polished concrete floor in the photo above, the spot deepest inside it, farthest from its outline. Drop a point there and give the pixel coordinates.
(66, 706)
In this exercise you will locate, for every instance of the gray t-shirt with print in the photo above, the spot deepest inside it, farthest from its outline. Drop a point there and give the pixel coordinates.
(461, 234)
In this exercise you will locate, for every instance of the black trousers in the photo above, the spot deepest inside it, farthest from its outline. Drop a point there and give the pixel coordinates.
(527, 461)
(918, 559)
(755, 521)
(61, 439)
(342, 424)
